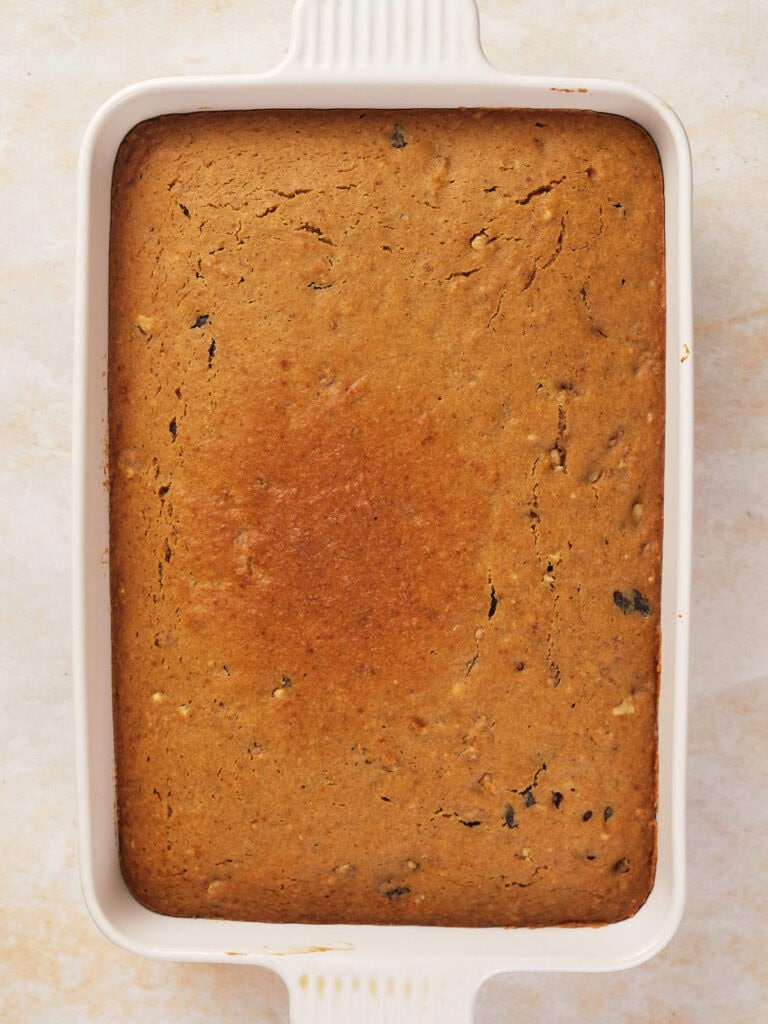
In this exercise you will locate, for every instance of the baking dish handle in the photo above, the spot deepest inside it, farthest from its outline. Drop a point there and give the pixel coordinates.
(431, 39)
(398, 994)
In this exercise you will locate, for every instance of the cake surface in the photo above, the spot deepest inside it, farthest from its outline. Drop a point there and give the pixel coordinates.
(386, 415)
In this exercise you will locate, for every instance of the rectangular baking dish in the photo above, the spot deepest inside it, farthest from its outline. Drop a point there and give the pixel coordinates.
(388, 54)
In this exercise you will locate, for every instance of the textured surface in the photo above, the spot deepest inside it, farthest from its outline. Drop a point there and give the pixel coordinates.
(710, 64)
(372, 36)
(386, 446)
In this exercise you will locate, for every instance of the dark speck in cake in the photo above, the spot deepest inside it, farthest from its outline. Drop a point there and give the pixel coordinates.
(509, 817)
(396, 891)
(494, 602)
(632, 602)
(397, 138)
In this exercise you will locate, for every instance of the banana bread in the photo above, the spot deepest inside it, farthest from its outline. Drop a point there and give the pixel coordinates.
(386, 420)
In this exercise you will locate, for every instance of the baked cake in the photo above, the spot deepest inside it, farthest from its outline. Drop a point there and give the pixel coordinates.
(386, 419)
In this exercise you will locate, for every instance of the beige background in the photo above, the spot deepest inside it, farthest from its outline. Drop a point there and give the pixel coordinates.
(59, 61)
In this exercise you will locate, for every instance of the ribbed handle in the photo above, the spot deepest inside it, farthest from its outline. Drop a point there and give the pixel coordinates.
(385, 37)
(395, 996)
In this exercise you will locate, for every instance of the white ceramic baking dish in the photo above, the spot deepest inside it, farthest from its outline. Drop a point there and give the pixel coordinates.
(369, 53)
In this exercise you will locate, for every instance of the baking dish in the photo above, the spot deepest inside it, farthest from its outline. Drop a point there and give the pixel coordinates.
(369, 53)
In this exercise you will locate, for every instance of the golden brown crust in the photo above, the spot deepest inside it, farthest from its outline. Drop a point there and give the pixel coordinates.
(386, 443)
